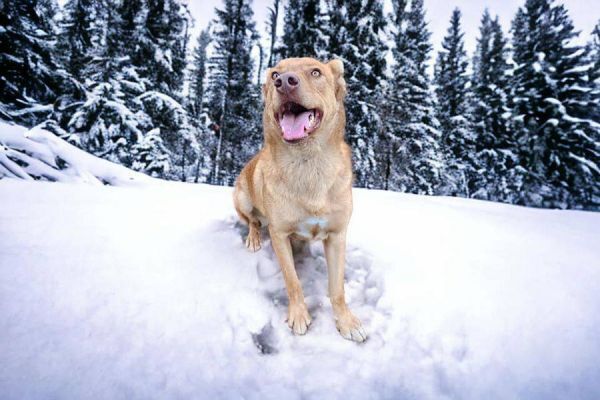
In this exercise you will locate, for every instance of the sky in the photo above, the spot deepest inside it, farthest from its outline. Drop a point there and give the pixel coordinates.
(585, 14)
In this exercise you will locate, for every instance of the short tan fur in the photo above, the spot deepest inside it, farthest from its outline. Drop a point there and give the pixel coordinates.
(303, 189)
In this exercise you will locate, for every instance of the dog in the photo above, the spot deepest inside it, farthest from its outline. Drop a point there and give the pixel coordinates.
(299, 185)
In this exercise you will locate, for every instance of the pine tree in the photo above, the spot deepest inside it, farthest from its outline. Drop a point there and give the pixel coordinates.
(31, 79)
(302, 30)
(155, 40)
(108, 123)
(159, 49)
(233, 97)
(199, 73)
(453, 111)
(358, 26)
(150, 155)
(134, 75)
(593, 50)
(451, 73)
(79, 33)
(550, 94)
(132, 25)
(199, 109)
(414, 162)
(272, 31)
(106, 56)
(495, 145)
(176, 129)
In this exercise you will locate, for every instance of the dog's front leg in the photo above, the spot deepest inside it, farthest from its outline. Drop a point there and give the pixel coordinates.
(298, 317)
(335, 253)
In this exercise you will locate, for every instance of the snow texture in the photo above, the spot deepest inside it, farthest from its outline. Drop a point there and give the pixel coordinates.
(147, 291)
(39, 154)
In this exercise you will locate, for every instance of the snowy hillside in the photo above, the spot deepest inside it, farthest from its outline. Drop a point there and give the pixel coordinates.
(147, 291)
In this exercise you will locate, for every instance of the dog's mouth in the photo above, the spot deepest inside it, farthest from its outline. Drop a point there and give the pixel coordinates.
(297, 122)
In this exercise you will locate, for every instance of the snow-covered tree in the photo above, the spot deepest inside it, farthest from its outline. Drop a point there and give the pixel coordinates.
(155, 37)
(451, 73)
(357, 27)
(452, 92)
(302, 30)
(158, 41)
(150, 155)
(593, 50)
(272, 24)
(107, 124)
(31, 78)
(494, 143)
(199, 73)
(558, 141)
(233, 97)
(177, 131)
(205, 137)
(414, 162)
(80, 31)
(134, 74)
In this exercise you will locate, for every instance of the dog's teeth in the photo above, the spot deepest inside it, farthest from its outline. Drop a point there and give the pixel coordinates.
(311, 119)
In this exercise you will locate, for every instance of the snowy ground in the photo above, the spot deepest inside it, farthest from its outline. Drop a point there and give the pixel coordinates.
(148, 292)
(145, 290)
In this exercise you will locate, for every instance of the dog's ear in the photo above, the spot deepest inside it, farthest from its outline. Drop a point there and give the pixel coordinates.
(337, 67)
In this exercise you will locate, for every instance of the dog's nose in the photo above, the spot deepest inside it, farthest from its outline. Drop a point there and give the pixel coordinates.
(287, 82)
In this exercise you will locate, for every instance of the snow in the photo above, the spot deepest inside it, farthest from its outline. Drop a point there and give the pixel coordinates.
(160, 98)
(579, 69)
(585, 163)
(147, 291)
(39, 154)
(38, 108)
(561, 108)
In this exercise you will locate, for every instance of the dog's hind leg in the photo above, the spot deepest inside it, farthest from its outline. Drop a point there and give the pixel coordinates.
(245, 209)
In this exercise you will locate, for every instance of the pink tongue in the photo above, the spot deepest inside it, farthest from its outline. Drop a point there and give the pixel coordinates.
(293, 125)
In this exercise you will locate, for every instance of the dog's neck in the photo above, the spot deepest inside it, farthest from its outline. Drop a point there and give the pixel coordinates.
(311, 169)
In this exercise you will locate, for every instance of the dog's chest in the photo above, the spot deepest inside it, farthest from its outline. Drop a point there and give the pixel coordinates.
(312, 228)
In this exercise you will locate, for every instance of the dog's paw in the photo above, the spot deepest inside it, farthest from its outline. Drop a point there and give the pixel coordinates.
(253, 240)
(298, 318)
(350, 327)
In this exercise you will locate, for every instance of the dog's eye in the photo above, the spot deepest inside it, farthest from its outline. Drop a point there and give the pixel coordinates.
(275, 75)
(315, 73)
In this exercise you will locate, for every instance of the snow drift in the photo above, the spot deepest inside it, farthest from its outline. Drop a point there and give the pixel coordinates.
(37, 154)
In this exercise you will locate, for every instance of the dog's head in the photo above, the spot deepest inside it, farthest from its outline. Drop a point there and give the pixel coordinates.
(304, 101)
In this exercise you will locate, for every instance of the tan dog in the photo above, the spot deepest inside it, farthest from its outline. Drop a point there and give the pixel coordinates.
(300, 183)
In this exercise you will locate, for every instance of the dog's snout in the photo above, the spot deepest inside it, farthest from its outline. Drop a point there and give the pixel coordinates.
(287, 82)
(292, 80)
